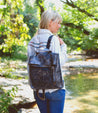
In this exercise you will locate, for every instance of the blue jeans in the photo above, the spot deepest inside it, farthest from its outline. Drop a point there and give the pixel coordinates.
(53, 103)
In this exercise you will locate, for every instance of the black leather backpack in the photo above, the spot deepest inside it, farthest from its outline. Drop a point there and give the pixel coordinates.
(45, 71)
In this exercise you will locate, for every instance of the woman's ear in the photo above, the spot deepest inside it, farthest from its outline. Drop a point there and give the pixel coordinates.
(50, 27)
(50, 23)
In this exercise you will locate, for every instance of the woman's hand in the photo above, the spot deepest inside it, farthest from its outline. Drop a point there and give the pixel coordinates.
(61, 41)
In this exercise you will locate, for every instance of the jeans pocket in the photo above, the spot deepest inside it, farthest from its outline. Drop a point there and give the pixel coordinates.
(58, 95)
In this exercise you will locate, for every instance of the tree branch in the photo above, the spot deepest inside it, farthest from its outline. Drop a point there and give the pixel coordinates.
(79, 9)
(76, 27)
(41, 7)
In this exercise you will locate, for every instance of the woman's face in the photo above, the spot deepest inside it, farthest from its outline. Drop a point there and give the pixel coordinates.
(54, 26)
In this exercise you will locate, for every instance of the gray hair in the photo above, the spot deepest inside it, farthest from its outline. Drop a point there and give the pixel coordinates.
(47, 16)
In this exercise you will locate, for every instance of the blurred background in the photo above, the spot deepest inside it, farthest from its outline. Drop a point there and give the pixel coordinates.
(19, 21)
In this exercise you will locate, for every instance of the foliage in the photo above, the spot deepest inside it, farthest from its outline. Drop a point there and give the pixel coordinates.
(6, 99)
(78, 24)
(20, 53)
(19, 22)
(31, 17)
(13, 30)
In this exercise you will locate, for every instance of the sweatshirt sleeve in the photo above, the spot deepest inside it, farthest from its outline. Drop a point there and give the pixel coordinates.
(63, 54)
(30, 50)
(61, 50)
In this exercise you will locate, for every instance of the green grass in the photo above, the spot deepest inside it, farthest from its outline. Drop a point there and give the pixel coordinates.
(9, 66)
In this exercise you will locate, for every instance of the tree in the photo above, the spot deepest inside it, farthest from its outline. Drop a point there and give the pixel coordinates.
(86, 9)
(13, 30)
(79, 18)
(40, 4)
(20, 17)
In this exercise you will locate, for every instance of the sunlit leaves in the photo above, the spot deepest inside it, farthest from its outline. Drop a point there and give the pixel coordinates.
(20, 17)
(77, 13)
(13, 30)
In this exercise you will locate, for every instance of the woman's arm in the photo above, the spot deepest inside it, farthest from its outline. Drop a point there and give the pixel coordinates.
(58, 46)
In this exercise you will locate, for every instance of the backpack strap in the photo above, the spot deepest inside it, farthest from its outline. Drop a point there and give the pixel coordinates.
(37, 91)
(43, 96)
(49, 41)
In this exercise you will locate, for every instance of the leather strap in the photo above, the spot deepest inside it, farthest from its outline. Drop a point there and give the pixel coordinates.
(43, 96)
(49, 41)
(47, 46)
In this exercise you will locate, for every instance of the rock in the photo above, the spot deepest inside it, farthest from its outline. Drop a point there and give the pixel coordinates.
(24, 96)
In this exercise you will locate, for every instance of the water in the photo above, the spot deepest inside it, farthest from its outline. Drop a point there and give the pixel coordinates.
(82, 93)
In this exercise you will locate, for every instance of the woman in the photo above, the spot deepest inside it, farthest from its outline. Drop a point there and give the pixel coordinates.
(49, 25)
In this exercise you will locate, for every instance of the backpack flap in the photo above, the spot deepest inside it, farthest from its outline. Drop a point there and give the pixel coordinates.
(33, 60)
(41, 59)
